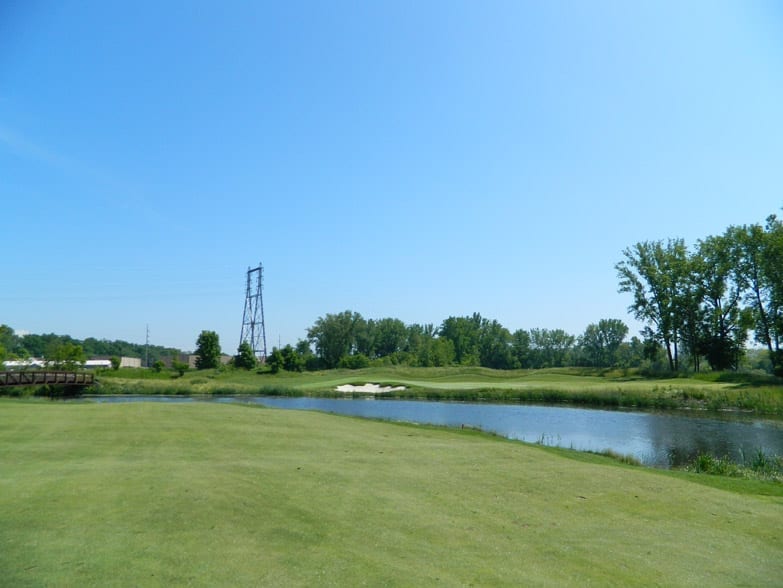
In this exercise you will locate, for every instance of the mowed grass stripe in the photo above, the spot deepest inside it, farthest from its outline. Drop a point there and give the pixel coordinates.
(207, 494)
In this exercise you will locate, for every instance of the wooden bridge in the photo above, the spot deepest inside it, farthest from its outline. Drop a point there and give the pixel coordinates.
(39, 378)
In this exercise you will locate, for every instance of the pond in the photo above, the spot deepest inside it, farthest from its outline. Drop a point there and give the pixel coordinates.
(655, 438)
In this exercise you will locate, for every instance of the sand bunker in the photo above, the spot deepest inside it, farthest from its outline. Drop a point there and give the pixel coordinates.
(369, 388)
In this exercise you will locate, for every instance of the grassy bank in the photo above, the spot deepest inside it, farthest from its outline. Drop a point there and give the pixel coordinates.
(574, 386)
(205, 495)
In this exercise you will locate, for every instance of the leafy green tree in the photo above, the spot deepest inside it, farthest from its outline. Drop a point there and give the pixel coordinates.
(691, 314)
(66, 356)
(275, 360)
(363, 333)
(293, 361)
(309, 360)
(416, 336)
(495, 349)
(717, 269)
(207, 350)
(600, 342)
(178, 366)
(245, 358)
(464, 334)
(389, 337)
(8, 341)
(441, 352)
(761, 258)
(773, 265)
(772, 276)
(550, 347)
(115, 362)
(423, 348)
(335, 336)
(158, 366)
(630, 354)
(520, 348)
(657, 276)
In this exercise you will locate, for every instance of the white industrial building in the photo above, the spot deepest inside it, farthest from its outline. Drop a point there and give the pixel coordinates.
(33, 363)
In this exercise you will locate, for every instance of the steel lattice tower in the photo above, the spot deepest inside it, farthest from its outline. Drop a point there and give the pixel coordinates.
(253, 330)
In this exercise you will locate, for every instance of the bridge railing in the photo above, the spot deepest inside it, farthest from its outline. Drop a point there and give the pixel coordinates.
(39, 378)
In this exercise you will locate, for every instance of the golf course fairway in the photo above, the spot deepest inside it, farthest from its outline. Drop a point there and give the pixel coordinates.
(206, 494)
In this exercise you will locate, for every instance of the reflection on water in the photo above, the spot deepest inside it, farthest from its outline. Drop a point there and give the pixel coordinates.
(657, 439)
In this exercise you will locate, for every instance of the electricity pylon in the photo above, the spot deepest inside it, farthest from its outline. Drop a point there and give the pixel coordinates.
(253, 330)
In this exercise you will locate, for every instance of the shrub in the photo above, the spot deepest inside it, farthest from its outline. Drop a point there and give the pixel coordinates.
(707, 464)
(354, 362)
(245, 358)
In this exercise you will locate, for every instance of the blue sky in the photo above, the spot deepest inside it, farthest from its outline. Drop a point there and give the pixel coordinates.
(407, 159)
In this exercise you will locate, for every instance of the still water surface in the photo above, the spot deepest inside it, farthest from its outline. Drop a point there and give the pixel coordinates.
(655, 438)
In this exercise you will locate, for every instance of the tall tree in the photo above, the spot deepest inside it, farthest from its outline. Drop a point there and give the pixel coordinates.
(495, 346)
(364, 333)
(464, 333)
(550, 347)
(600, 342)
(520, 348)
(207, 350)
(773, 271)
(292, 360)
(389, 337)
(335, 335)
(630, 354)
(717, 269)
(656, 275)
(8, 340)
(761, 258)
(307, 358)
(417, 335)
(66, 356)
(425, 349)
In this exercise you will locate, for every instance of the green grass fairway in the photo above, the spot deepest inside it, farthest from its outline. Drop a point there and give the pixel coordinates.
(145, 494)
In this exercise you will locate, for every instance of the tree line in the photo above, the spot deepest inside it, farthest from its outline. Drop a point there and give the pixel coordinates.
(51, 346)
(348, 340)
(697, 305)
(701, 304)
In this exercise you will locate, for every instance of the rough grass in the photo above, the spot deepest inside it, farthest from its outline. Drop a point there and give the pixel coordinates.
(758, 465)
(591, 387)
(209, 494)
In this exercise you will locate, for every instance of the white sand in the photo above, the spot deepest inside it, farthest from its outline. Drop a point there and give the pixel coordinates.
(369, 388)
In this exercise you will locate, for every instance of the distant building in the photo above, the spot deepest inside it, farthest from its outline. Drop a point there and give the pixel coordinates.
(130, 362)
(190, 360)
(93, 363)
(125, 362)
(96, 364)
(24, 364)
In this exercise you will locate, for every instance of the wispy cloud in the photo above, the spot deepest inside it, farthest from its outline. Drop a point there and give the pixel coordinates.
(112, 192)
(20, 146)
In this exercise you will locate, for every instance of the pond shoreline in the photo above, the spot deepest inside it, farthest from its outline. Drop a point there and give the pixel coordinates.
(763, 401)
(164, 396)
(652, 437)
(738, 393)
